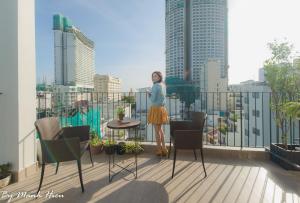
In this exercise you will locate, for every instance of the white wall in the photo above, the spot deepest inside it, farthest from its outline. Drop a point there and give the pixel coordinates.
(17, 82)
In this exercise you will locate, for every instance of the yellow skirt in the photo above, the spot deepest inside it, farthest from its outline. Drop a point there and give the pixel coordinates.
(158, 115)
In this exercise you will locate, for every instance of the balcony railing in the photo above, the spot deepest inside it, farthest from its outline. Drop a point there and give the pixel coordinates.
(235, 119)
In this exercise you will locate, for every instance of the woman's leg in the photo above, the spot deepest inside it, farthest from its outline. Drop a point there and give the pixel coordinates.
(162, 137)
(157, 136)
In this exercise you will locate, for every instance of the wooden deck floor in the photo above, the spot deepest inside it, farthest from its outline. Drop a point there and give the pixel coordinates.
(227, 181)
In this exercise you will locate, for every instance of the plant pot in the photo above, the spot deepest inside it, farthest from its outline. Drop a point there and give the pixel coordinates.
(120, 148)
(121, 116)
(5, 181)
(289, 158)
(109, 149)
(96, 149)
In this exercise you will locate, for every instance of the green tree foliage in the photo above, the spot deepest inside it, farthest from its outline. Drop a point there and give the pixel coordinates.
(128, 99)
(283, 79)
(183, 89)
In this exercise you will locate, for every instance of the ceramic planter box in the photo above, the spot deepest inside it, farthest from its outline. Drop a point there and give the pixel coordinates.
(109, 149)
(289, 159)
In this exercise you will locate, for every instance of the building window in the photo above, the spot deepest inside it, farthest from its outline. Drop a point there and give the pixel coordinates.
(246, 132)
(255, 113)
(256, 131)
(255, 95)
(246, 100)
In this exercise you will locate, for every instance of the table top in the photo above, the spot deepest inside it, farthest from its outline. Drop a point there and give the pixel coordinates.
(125, 124)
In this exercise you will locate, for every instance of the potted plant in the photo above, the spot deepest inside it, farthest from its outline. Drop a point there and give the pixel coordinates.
(121, 113)
(132, 147)
(292, 110)
(96, 144)
(283, 153)
(109, 146)
(5, 174)
(282, 77)
(120, 149)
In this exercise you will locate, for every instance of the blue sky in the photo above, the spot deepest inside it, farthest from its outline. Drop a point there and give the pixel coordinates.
(130, 35)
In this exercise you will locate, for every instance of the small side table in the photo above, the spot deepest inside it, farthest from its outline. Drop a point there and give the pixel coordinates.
(118, 125)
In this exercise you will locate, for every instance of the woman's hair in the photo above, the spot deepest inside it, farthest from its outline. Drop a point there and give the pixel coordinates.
(159, 75)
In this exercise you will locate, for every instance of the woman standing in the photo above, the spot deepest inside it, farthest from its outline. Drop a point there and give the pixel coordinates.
(158, 114)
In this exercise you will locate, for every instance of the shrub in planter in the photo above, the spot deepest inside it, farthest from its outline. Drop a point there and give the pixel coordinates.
(96, 145)
(120, 149)
(5, 174)
(109, 146)
(283, 78)
(131, 147)
(121, 113)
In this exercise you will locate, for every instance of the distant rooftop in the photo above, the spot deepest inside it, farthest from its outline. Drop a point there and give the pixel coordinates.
(64, 24)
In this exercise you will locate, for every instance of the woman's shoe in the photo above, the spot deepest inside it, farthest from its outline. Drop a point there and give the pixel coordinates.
(164, 152)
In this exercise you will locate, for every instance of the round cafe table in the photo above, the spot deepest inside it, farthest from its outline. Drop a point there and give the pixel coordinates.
(127, 123)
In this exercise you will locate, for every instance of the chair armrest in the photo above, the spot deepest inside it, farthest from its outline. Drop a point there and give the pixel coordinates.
(188, 139)
(179, 125)
(61, 150)
(83, 132)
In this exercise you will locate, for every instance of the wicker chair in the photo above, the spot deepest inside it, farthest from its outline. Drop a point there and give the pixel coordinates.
(188, 135)
(62, 144)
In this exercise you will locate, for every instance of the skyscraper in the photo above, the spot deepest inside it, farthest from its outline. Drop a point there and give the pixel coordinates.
(196, 31)
(74, 55)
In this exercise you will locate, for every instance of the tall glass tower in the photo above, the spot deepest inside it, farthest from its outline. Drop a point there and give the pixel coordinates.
(74, 54)
(196, 31)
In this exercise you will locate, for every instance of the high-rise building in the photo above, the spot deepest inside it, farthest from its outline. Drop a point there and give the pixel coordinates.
(107, 87)
(196, 30)
(74, 55)
(216, 87)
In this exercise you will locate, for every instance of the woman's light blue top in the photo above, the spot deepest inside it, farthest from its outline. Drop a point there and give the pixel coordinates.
(158, 95)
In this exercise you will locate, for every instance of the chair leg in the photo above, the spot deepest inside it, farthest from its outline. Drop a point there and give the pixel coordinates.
(174, 161)
(169, 149)
(201, 151)
(42, 176)
(80, 175)
(91, 156)
(195, 154)
(57, 165)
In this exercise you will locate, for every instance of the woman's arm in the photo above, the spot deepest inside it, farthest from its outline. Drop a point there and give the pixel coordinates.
(153, 93)
(156, 90)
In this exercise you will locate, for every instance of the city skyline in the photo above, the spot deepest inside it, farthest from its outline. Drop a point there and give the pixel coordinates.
(128, 42)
